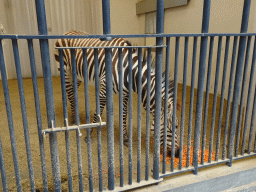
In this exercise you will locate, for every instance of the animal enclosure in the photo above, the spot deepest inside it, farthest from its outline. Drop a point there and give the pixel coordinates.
(41, 150)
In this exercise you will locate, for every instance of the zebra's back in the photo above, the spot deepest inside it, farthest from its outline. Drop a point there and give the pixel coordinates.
(92, 42)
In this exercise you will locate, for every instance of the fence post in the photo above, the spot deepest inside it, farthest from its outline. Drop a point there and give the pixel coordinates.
(44, 47)
(238, 78)
(106, 17)
(109, 95)
(200, 87)
(158, 89)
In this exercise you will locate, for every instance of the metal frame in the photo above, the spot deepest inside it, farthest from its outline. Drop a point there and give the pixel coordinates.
(52, 130)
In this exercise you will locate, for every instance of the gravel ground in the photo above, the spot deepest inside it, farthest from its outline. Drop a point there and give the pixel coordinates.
(34, 143)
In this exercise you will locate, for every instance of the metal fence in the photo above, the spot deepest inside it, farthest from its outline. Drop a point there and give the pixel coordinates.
(230, 140)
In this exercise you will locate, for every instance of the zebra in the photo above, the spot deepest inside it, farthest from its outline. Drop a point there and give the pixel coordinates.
(94, 42)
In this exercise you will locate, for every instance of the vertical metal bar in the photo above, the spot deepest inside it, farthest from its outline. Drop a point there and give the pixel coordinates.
(106, 17)
(217, 73)
(183, 101)
(10, 119)
(242, 101)
(148, 113)
(238, 77)
(45, 56)
(193, 72)
(158, 87)
(222, 96)
(38, 112)
(121, 134)
(77, 120)
(176, 71)
(75, 90)
(97, 94)
(254, 145)
(2, 168)
(65, 115)
(252, 123)
(246, 120)
(201, 76)
(110, 121)
(24, 112)
(209, 72)
(109, 94)
(130, 114)
(86, 88)
(166, 102)
(139, 81)
(87, 114)
(230, 87)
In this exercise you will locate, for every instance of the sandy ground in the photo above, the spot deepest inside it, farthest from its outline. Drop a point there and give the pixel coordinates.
(31, 115)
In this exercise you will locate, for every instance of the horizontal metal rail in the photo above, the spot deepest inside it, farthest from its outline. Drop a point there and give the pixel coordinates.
(206, 164)
(136, 185)
(123, 36)
(74, 127)
(113, 47)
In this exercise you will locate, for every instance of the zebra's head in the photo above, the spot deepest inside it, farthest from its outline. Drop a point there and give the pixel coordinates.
(169, 136)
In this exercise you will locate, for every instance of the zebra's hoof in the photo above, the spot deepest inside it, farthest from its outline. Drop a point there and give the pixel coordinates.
(86, 139)
(72, 122)
(126, 142)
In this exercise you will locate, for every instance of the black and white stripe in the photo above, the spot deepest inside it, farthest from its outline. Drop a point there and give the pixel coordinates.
(93, 42)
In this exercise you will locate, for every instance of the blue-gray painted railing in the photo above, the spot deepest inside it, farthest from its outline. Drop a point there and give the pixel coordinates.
(200, 86)
(97, 99)
(121, 81)
(166, 103)
(185, 66)
(250, 89)
(24, 112)
(238, 77)
(158, 82)
(231, 80)
(240, 116)
(252, 125)
(209, 73)
(87, 108)
(130, 114)
(148, 114)
(241, 70)
(38, 112)
(139, 115)
(65, 116)
(177, 46)
(222, 96)
(10, 118)
(191, 104)
(77, 121)
(216, 83)
(45, 56)
(2, 168)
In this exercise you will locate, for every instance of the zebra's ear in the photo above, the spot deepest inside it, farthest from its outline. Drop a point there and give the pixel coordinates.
(56, 54)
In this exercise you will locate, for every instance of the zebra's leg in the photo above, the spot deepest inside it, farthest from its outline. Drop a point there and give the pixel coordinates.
(102, 95)
(70, 94)
(125, 133)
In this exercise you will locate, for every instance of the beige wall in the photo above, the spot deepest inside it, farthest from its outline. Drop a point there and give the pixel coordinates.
(225, 18)
(123, 18)
(19, 17)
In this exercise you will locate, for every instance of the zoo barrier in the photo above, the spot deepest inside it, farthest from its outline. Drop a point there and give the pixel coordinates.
(232, 135)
